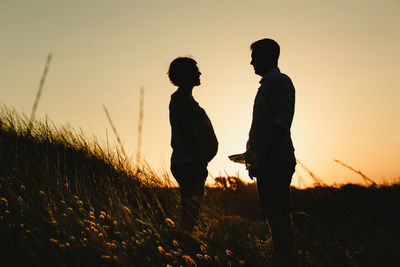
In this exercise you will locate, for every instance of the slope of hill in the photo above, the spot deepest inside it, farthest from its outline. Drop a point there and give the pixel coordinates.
(66, 200)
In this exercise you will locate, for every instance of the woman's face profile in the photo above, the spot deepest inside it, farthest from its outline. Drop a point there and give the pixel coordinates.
(192, 76)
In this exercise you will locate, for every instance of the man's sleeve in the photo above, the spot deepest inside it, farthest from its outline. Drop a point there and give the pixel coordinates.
(283, 98)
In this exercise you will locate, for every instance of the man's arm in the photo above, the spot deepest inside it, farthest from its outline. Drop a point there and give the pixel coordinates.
(282, 102)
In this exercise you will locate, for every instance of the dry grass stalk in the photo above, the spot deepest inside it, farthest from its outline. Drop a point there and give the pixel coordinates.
(367, 180)
(140, 125)
(313, 176)
(39, 92)
(116, 135)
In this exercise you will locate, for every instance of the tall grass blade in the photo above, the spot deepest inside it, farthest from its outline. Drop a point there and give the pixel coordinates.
(313, 176)
(116, 134)
(140, 125)
(39, 92)
(367, 180)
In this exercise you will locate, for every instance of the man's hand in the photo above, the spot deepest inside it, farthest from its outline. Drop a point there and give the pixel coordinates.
(252, 173)
(254, 163)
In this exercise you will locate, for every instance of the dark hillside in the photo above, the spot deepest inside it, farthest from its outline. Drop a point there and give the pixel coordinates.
(67, 201)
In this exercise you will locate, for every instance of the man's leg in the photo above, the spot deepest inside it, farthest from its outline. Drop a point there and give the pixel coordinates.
(275, 200)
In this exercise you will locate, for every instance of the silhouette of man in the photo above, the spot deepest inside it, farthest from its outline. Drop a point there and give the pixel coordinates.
(193, 140)
(270, 152)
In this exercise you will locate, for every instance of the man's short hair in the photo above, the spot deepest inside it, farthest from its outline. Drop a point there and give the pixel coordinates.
(179, 69)
(266, 47)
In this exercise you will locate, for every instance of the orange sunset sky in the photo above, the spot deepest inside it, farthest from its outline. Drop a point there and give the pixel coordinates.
(343, 58)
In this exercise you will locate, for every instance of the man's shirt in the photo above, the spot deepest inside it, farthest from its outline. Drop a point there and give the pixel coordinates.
(273, 110)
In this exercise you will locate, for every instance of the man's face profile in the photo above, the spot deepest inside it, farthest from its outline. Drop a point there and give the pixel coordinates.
(257, 63)
(261, 62)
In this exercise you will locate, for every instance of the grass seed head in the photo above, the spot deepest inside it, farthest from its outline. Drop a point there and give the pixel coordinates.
(170, 222)
(228, 253)
(4, 201)
(161, 249)
(189, 261)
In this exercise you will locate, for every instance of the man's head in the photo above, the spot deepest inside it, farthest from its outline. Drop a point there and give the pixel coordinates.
(264, 55)
(183, 71)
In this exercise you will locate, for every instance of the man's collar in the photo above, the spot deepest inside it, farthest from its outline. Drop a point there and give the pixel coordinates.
(269, 73)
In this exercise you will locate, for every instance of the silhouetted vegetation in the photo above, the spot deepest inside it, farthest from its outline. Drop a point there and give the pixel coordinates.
(67, 200)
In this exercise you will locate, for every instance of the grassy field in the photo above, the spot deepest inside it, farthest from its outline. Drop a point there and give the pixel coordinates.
(68, 200)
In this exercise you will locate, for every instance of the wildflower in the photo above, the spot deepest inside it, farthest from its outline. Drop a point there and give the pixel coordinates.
(70, 209)
(4, 200)
(64, 215)
(76, 197)
(203, 248)
(123, 243)
(54, 222)
(201, 257)
(62, 202)
(170, 222)
(79, 202)
(161, 249)
(168, 265)
(73, 238)
(66, 185)
(228, 252)
(67, 244)
(22, 225)
(115, 222)
(101, 217)
(62, 246)
(241, 262)
(22, 187)
(42, 192)
(176, 244)
(92, 218)
(7, 211)
(27, 230)
(207, 257)
(189, 260)
(101, 235)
